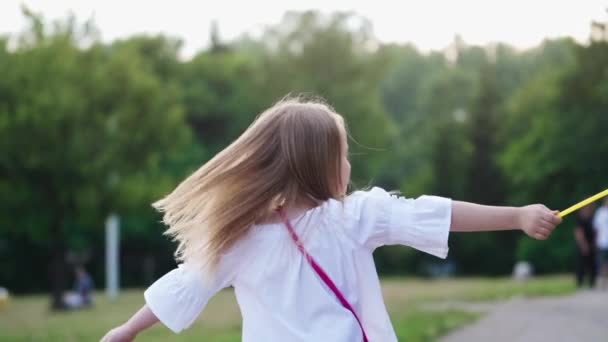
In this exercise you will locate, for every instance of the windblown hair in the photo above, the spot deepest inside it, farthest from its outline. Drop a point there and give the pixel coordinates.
(290, 154)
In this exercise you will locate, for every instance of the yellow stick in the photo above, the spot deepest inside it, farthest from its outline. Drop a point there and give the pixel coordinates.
(584, 203)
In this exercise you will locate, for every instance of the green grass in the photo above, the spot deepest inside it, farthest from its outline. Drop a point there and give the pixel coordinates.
(419, 325)
(475, 289)
(27, 318)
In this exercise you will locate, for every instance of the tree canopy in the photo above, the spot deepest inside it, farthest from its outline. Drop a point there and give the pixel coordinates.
(89, 128)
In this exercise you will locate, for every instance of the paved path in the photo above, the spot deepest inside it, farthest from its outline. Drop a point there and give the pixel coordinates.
(580, 317)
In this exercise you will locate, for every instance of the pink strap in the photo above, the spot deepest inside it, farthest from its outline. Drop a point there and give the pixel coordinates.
(320, 271)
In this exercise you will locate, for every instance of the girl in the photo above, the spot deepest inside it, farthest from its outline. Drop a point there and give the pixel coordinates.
(270, 217)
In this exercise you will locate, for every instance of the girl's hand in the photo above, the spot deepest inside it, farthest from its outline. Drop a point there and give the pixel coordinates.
(538, 221)
(119, 334)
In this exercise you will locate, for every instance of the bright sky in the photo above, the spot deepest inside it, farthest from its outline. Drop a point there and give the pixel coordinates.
(429, 24)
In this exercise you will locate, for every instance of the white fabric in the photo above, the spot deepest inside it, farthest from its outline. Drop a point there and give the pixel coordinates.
(600, 224)
(280, 296)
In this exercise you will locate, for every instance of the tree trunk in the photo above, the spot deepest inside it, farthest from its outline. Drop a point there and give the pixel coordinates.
(57, 271)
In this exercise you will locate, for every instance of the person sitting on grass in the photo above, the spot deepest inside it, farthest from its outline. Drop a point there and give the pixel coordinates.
(270, 216)
(82, 297)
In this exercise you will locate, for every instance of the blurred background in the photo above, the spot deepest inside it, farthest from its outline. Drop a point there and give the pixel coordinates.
(105, 106)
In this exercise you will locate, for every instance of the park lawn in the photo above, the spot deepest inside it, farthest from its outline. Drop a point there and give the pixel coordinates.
(27, 318)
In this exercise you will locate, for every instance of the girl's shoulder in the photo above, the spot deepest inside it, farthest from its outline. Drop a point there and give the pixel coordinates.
(361, 208)
(376, 193)
(362, 202)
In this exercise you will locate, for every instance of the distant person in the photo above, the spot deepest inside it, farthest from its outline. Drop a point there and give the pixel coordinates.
(270, 216)
(584, 235)
(84, 286)
(82, 297)
(600, 224)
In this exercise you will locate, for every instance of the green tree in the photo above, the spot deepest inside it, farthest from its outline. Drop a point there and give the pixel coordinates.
(221, 94)
(333, 56)
(408, 90)
(557, 158)
(84, 129)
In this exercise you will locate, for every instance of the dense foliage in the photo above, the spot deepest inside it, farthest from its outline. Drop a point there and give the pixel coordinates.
(90, 128)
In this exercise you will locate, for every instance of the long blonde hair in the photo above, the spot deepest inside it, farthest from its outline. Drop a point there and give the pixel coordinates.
(290, 153)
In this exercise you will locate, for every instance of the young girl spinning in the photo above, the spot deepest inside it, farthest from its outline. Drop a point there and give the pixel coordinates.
(269, 216)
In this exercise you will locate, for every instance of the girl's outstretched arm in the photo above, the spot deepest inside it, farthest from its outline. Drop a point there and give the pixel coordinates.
(141, 320)
(535, 220)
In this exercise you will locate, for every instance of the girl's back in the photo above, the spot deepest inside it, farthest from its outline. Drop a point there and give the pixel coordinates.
(282, 298)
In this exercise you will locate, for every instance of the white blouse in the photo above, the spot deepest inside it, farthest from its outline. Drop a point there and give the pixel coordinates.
(281, 298)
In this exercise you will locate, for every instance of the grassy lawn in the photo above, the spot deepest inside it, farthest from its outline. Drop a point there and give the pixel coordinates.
(27, 318)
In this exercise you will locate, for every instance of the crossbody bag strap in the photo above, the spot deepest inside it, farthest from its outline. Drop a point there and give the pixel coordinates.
(320, 272)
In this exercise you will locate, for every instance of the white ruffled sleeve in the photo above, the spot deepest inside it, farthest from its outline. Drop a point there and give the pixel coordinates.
(178, 297)
(379, 218)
